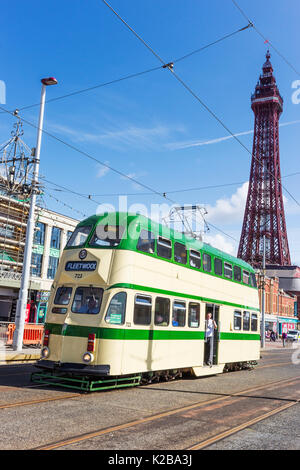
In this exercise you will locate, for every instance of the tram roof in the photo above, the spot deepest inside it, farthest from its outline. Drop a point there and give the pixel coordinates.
(127, 218)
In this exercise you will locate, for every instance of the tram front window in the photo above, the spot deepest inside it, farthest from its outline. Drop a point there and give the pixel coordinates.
(79, 236)
(107, 235)
(63, 295)
(87, 300)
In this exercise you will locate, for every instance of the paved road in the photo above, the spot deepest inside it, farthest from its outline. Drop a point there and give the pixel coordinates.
(35, 416)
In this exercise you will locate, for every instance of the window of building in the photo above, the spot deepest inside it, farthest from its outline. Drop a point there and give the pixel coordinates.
(246, 321)
(39, 234)
(52, 267)
(195, 259)
(146, 242)
(87, 300)
(228, 270)
(254, 322)
(237, 320)
(69, 234)
(36, 264)
(162, 311)
(55, 238)
(180, 253)
(206, 262)
(237, 274)
(107, 235)
(218, 267)
(7, 231)
(164, 248)
(179, 313)
(63, 295)
(115, 314)
(194, 315)
(79, 236)
(142, 310)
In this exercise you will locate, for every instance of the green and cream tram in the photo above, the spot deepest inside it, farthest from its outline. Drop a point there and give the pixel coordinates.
(129, 303)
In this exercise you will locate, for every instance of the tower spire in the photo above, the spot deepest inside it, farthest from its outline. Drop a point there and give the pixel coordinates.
(264, 212)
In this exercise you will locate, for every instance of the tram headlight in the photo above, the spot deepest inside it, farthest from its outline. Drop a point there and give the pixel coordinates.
(45, 353)
(88, 357)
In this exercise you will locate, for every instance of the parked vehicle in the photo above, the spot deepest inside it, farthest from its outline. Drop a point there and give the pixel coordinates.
(293, 335)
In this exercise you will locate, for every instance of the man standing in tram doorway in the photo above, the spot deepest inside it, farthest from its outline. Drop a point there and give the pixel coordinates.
(209, 335)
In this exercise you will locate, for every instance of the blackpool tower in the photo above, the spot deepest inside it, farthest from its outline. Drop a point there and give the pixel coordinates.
(264, 212)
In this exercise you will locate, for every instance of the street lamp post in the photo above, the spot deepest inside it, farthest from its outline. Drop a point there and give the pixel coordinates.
(23, 293)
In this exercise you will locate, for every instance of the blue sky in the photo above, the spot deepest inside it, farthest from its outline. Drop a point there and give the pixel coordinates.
(149, 127)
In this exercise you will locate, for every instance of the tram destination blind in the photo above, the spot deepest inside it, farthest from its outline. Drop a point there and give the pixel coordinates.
(81, 266)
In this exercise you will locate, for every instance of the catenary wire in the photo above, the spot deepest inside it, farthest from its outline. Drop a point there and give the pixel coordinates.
(187, 87)
(265, 39)
(137, 74)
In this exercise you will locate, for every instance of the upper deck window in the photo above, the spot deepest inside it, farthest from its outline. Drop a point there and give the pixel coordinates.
(228, 270)
(79, 236)
(237, 273)
(164, 248)
(246, 277)
(218, 267)
(206, 262)
(180, 255)
(146, 242)
(253, 280)
(107, 235)
(195, 259)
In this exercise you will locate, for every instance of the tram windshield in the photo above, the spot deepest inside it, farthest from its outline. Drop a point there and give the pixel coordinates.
(107, 235)
(79, 236)
(63, 295)
(87, 300)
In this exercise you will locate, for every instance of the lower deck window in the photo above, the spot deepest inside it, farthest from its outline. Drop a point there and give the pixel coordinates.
(253, 322)
(246, 321)
(162, 311)
(237, 320)
(115, 314)
(63, 295)
(179, 312)
(194, 315)
(87, 300)
(142, 310)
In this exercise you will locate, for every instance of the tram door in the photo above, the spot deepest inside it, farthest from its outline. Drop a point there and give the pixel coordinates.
(211, 343)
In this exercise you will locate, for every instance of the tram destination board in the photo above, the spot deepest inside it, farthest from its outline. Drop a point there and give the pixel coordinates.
(81, 266)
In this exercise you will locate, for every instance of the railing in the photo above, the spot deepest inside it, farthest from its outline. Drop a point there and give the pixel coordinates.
(33, 334)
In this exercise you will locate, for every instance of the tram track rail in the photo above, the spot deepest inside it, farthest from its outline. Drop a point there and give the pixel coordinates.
(199, 407)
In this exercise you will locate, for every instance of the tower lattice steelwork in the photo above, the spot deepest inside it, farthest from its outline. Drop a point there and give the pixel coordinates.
(264, 213)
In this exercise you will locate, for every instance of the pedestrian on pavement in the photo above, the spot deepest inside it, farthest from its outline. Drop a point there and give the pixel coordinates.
(273, 336)
(283, 338)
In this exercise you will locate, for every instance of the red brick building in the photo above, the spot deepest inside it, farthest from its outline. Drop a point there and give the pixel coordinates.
(280, 306)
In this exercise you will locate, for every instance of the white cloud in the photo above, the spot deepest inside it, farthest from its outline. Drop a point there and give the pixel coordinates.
(221, 242)
(200, 143)
(229, 210)
(119, 137)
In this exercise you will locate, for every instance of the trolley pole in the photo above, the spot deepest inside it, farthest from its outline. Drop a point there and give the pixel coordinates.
(263, 295)
(23, 293)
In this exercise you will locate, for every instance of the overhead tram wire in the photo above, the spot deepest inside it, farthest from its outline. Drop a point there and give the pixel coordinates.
(169, 66)
(137, 74)
(265, 39)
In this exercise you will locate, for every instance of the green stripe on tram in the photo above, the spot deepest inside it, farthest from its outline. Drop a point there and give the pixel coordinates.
(154, 290)
(137, 334)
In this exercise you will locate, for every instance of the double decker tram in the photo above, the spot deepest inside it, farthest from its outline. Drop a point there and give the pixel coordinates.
(130, 302)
